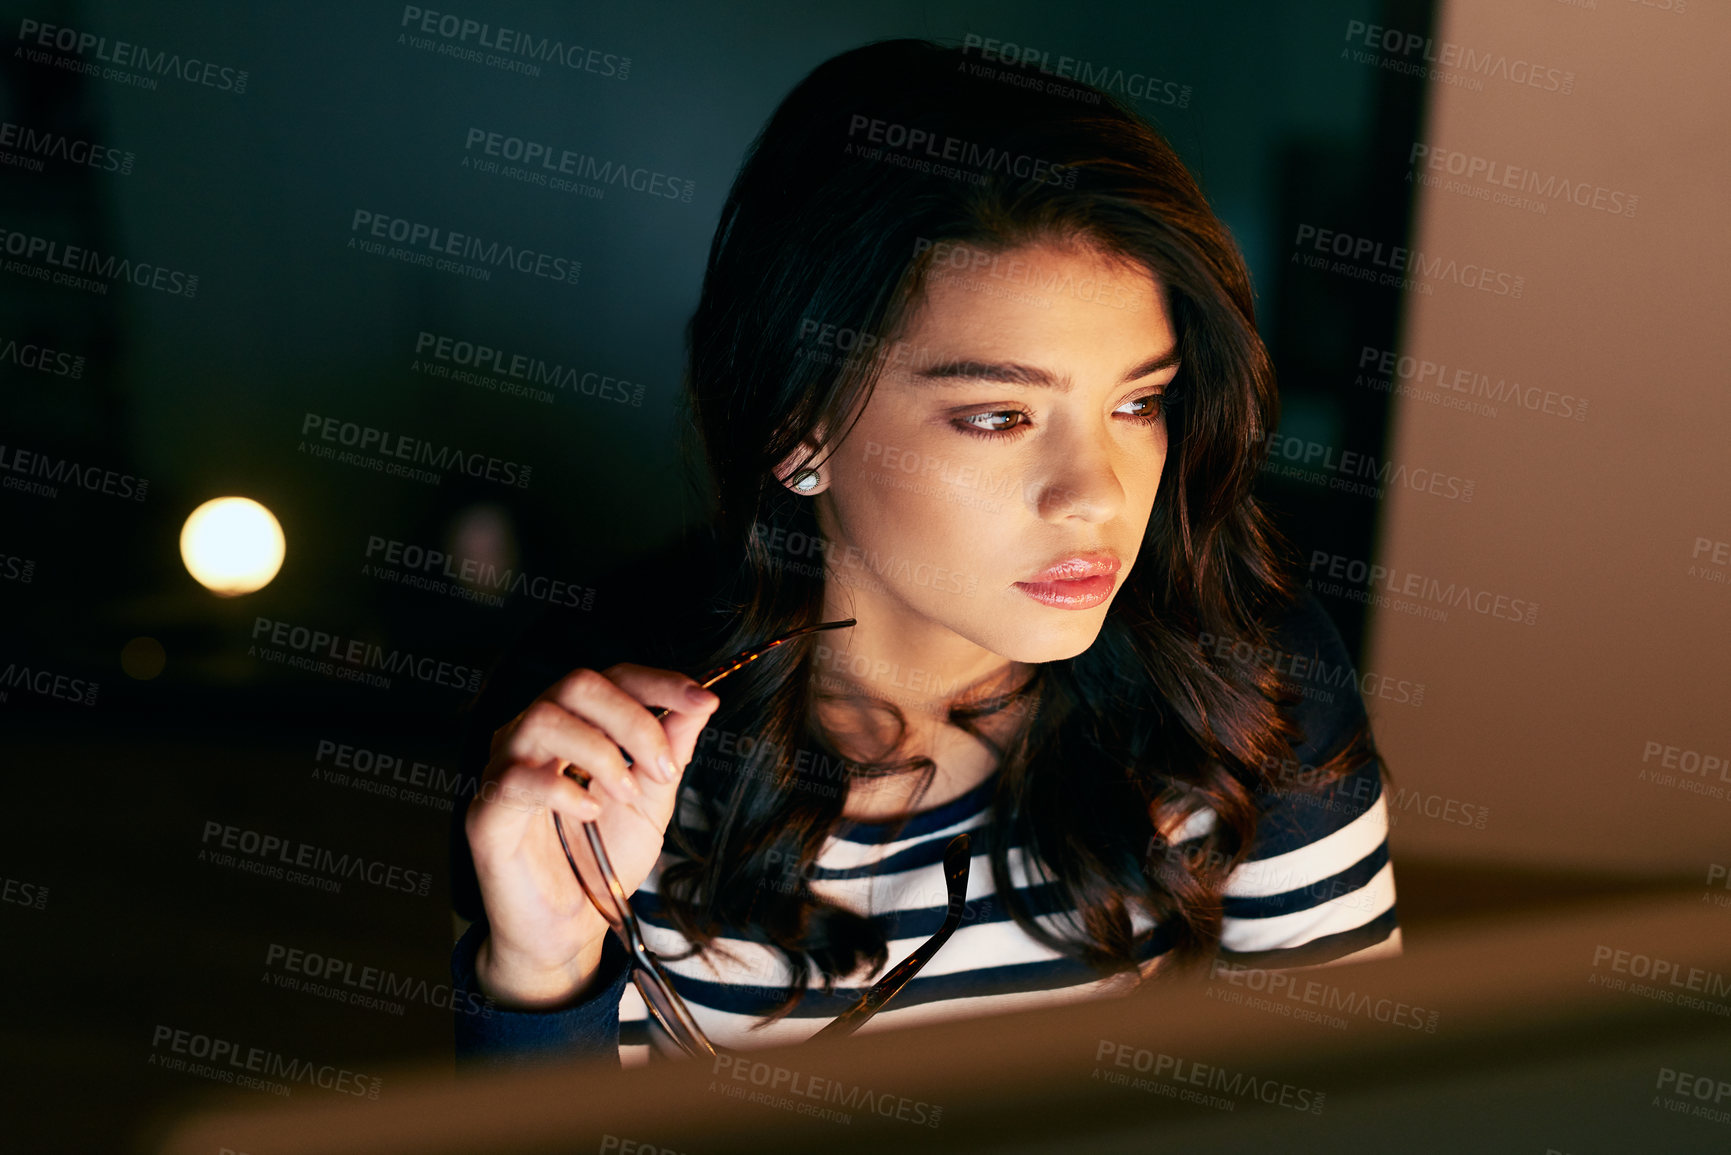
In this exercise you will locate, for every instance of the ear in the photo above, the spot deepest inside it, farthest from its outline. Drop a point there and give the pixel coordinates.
(810, 449)
(794, 462)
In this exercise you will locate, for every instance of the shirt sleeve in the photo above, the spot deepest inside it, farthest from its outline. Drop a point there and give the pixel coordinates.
(1318, 887)
(651, 609)
(588, 1028)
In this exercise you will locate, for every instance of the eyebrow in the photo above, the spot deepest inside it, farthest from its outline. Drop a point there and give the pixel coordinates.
(1014, 373)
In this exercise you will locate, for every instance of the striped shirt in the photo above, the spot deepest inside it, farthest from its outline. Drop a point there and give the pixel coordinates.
(1320, 886)
(1316, 889)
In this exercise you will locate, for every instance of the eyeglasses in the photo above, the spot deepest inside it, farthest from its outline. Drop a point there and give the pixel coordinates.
(663, 1001)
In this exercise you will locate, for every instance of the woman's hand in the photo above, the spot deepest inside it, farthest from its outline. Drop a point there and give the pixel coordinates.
(545, 936)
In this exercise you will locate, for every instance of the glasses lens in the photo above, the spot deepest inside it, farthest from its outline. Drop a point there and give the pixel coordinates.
(672, 1014)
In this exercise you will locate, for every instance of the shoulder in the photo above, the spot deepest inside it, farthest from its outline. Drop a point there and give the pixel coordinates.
(1310, 655)
(1318, 885)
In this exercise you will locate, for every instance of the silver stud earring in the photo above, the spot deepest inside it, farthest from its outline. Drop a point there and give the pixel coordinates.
(805, 480)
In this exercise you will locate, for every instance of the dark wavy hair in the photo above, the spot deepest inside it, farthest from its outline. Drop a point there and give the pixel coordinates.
(877, 163)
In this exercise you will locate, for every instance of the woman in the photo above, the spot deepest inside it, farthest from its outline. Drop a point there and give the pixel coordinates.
(975, 365)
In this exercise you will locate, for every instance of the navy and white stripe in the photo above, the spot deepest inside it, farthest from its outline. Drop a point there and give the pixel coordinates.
(1318, 889)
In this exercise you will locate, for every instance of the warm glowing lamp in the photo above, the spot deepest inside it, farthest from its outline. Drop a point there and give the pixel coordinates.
(232, 545)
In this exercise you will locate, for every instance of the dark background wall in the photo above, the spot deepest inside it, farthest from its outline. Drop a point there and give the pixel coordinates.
(252, 185)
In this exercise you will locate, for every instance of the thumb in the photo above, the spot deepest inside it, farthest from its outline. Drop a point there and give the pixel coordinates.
(684, 729)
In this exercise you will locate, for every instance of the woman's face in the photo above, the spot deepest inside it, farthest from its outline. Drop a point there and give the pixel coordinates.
(1018, 424)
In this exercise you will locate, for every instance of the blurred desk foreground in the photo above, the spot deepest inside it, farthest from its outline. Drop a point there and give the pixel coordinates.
(1598, 1029)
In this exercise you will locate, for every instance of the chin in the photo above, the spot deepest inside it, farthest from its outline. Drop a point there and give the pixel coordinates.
(1054, 642)
(1060, 650)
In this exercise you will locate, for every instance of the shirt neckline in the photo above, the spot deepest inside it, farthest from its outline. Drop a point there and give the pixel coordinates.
(923, 821)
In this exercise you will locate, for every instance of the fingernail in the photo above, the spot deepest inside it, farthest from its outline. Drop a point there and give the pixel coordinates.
(668, 770)
(632, 790)
(698, 696)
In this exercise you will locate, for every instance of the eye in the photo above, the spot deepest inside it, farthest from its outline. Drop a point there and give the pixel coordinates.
(990, 424)
(1153, 407)
(1008, 423)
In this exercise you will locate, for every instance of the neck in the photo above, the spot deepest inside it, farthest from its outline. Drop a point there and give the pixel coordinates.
(897, 655)
(894, 655)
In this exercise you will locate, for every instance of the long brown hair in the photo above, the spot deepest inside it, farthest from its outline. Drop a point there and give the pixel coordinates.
(832, 222)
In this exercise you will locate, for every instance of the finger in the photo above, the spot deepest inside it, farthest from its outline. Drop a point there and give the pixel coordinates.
(689, 704)
(622, 713)
(549, 730)
(684, 731)
(567, 796)
(536, 784)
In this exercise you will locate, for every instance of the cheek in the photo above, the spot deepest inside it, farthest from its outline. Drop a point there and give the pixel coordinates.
(907, 515)
(923, 533)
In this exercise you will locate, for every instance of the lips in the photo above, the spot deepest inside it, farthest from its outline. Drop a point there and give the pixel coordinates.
(1078, 582)
(1095, 563)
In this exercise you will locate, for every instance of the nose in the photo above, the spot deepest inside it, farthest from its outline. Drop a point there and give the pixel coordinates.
(1079, 479)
